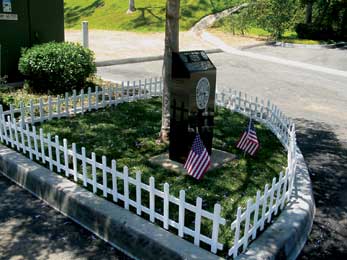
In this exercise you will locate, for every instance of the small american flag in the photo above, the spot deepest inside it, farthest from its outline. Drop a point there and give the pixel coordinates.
(249, 141)
(198, 159)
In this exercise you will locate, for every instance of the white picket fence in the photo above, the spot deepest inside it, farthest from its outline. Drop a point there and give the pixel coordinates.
(268, 203)
(17, 130)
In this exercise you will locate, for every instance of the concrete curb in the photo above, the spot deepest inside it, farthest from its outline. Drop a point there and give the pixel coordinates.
(250, 46)
(309, 46)
(287, 235)
(139, 238)
(284, 238)
(140, 59)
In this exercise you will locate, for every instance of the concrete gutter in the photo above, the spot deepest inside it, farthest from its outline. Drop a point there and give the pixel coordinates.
(287, 235)
(140, 239)
(140, 59)
(124, 230)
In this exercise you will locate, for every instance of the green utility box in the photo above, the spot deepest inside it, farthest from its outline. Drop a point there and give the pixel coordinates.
(24, 23)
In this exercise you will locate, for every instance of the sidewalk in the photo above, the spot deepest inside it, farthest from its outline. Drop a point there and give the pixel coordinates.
(115, 45)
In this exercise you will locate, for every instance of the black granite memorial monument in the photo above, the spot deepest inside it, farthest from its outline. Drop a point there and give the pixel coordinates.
(192, 100)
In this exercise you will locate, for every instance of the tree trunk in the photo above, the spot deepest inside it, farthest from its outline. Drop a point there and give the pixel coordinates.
(131, 6)
(171, 45)
(308, 17)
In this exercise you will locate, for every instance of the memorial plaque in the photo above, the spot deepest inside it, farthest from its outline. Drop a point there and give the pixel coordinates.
(192, 99)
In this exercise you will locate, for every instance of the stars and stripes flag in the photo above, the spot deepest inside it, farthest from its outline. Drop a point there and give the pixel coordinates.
(249, 140)
(198, 159)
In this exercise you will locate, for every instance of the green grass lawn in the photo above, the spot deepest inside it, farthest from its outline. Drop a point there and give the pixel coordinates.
(128, 134)
(149, 16)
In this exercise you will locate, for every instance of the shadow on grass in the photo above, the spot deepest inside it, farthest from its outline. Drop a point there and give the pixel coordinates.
(153, 16)
(73, 14)
(326, 156)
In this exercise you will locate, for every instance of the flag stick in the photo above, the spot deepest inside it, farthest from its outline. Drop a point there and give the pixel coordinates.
(249, 126)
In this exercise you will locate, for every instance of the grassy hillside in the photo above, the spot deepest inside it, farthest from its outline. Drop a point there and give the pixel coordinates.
(149, 16)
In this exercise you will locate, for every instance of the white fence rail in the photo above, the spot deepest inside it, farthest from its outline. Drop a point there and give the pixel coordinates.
(79, 103)
(17, 130)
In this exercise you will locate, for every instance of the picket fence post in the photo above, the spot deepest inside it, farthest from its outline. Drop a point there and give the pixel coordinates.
(138, 193)
(114, 181)
(166, 205)
(215, 227)
(84, 166)
(21, 130)
(248, 218)
(151, 199)
(126, 186)
(94, 172)
(66, 158)
(74, 162)
(181, 213)
(49, 152)
(271, 199)
(36, 145)
(15, 133)
(58, 107)
(29, 141)
(234, 250)
(43, 156)
(67, 110)
(96, 98)
(104, 176)
(32, 115)
(197, 221)
(49, 107)
(89, 99)
(278, 199)
(57, 153)
(256, 214)
(82, 101)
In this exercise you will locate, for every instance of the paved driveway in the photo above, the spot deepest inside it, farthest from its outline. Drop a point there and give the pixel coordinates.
(317, 102)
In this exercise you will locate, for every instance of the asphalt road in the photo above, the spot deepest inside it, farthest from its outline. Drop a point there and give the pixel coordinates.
(31, 230)
(316, 101)
(331, 58)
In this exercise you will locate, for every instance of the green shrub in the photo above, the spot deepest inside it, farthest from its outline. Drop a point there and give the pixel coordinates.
(56, 68)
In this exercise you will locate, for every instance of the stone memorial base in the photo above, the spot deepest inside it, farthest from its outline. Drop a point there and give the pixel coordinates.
(218, 159)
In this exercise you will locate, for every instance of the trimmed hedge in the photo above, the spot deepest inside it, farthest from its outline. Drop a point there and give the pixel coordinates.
(56, 68)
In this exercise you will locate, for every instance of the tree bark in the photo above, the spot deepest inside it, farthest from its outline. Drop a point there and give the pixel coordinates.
(131, 6)
(171, 45)
(308, 17)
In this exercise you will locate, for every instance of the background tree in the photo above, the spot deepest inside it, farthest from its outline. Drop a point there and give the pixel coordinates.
(171, 45)
(275, 16)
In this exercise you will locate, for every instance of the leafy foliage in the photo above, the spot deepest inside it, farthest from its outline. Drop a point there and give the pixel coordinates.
(56, 68)
(274, 16)
(329, 21)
